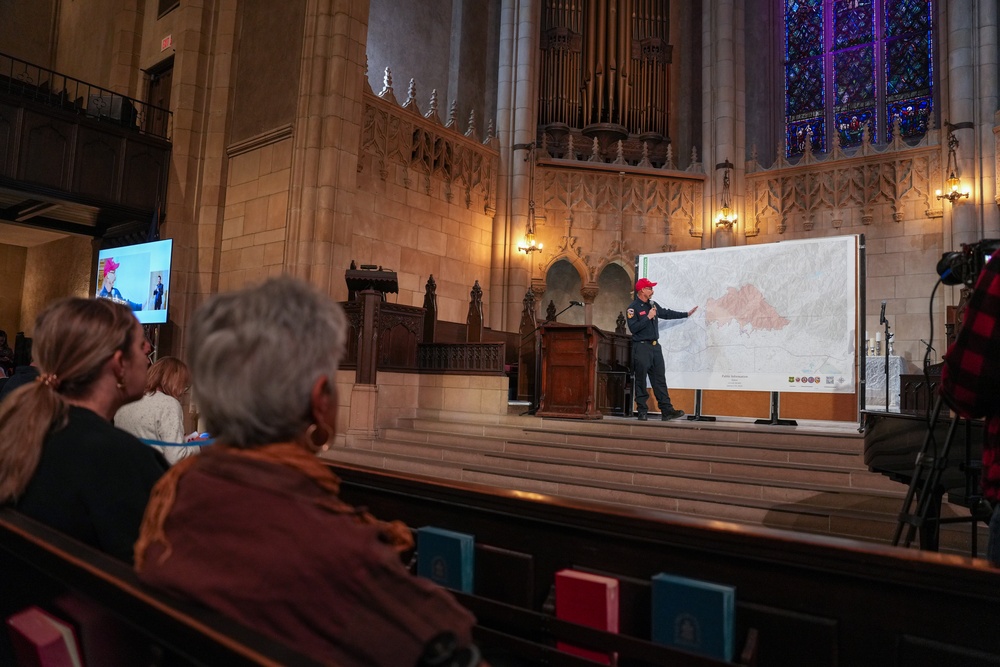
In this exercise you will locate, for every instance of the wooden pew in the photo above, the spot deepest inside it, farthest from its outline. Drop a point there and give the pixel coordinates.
(119, 621)
(804, 599)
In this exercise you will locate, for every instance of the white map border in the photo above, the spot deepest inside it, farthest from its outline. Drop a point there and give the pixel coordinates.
(813, 284)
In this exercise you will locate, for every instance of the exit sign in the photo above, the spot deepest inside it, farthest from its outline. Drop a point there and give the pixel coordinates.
(166, 42)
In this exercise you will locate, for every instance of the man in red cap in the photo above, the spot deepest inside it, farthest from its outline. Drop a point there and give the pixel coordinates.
(643, 318)
(108, 289)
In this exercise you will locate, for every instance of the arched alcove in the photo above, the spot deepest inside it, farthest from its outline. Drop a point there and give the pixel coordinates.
(562, 285)
(614, 297)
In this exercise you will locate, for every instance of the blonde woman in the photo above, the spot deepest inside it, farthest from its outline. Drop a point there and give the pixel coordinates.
(158, 418)
(62, 462)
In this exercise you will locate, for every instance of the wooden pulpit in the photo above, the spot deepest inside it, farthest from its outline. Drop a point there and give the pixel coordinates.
(569, 371)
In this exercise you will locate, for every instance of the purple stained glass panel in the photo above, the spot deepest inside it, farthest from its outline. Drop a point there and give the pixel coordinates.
(907, 16)
(804, 87)
(803, 29)
(853, 23)
(908, 65)
(851, 126)
(914, 116)
(854, 76)
(880, 56)
(799, 133)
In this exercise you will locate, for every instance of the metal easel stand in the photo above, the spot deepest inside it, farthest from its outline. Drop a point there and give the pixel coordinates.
(697, 416)
(774, 421)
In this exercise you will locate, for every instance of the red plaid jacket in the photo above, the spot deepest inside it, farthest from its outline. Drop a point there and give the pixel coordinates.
(970, 377)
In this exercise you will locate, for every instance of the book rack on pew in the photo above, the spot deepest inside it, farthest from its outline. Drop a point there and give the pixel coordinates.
(530, 635)
(839, 602)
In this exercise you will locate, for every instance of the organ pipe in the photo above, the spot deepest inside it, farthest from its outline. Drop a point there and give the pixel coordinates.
(605, 62)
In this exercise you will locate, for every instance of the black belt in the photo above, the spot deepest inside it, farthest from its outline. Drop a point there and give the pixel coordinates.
(649, 342)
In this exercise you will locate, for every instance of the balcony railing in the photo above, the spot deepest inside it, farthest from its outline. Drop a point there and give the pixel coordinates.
(52, 89)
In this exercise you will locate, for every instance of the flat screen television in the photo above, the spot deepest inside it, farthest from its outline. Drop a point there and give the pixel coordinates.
(138, 276)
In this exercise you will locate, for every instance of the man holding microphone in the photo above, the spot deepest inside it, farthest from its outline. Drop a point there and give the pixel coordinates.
(643, 318)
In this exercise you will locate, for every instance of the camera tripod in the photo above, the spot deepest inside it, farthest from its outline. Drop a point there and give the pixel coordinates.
(922, 504)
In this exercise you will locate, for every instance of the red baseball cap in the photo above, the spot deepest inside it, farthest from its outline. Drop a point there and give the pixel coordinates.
(643, 283)
(110, 265)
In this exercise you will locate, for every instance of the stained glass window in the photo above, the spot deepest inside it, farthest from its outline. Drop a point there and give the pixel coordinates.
(853, 66)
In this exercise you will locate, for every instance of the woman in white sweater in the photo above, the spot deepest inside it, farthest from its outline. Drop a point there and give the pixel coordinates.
(158, 418)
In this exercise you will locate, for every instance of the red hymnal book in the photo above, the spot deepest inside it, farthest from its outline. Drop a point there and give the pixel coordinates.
(590, 600)
(42, 640)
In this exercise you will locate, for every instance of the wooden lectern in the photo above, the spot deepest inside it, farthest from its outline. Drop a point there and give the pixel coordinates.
(569, 371)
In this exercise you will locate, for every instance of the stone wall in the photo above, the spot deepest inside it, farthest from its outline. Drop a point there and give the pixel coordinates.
(472, 398)
(59, 268)
(12, 268)
(886, 194)
(253, 227)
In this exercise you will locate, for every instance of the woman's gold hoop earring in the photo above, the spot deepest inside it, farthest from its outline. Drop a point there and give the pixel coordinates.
(321, 445)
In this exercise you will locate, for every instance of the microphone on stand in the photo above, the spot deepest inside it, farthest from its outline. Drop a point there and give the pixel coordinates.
(882, 317)
(575, 303)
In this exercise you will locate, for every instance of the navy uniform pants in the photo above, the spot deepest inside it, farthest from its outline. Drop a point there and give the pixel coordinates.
(647, 361)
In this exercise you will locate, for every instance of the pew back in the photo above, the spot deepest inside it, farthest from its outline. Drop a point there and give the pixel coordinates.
(807, 599)
(118, 620)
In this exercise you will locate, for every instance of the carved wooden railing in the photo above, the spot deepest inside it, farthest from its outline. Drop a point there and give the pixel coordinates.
(472, 358)
(399, 332)
(399, 329)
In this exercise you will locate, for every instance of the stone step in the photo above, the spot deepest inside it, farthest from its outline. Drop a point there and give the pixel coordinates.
(810, 477)
(828, 511)
(816, 470)
(784, 482)
(823, 436)
(653, 443)
(785, 463)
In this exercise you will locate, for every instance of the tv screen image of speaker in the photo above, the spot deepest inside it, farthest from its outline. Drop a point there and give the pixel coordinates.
(139, 277)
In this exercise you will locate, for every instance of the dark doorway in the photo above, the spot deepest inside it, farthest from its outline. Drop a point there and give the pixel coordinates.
(157, 120)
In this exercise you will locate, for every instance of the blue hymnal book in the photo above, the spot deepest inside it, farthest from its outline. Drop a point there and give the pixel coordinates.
(446, 557)
(696, 616)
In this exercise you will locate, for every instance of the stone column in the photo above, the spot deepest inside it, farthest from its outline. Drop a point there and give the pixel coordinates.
(988, 100)
(516, 120)
(589, 293)
(724, 94)
(960, 108)
(326, 143)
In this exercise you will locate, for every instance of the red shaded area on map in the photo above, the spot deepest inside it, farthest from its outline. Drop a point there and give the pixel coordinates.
(747, 307)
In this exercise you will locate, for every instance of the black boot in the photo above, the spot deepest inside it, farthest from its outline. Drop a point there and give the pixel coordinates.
(667, 415)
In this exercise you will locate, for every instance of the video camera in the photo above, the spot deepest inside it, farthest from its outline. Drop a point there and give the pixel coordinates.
(956, 268)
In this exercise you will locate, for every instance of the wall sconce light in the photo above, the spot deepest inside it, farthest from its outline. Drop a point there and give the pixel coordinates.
(528, 245)
(727, 216)
(954, 183)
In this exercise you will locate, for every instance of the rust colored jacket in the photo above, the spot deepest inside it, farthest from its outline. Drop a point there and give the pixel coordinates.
(245, 539)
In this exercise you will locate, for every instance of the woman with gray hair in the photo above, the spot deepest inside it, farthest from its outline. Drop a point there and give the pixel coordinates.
(253, 527)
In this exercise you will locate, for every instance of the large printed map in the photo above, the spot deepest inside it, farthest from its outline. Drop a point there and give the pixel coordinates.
(773, 317)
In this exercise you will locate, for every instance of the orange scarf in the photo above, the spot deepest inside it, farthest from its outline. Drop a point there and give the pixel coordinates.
(289, 454)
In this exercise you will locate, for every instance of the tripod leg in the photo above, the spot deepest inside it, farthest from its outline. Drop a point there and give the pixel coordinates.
(930, 526)
(917, 485)
(929, 504)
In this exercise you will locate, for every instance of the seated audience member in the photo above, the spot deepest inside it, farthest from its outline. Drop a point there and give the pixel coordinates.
(253, 526)
(158, 418)
(61, 460)
(970, 384)
(6, 356)
(23, 374)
